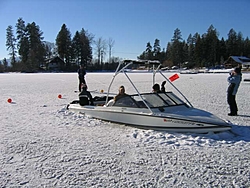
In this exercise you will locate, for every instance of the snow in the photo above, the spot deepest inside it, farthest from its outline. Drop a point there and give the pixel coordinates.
(44, 145)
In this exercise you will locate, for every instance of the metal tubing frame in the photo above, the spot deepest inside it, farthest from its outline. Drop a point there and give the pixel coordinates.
(155, 71)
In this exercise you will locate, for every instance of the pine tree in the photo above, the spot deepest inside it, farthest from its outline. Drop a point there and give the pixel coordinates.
(147, 54)
(177, 48)
(1, 67)
(36, 46)
(11, 44)
(77, 48)
(142, 56)
(157, 50)
(247, 47)
(190, 48)
(198, 53)
(240, 44)
(184, 55)
(63, 42)
(231, 43)
(222, 51)
(204, 50)
(5, 64)
(23, 43)
(211, 43)
(86, 52)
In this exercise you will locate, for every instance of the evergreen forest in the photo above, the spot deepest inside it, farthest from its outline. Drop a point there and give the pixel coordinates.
(28, 52)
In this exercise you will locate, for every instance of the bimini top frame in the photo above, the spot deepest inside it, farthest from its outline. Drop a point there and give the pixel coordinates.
(155, 64)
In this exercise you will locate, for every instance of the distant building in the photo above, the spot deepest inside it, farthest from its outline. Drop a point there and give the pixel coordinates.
(55, 64)
(235, 61)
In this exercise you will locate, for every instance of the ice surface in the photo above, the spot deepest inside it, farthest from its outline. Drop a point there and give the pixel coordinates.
(44, 145)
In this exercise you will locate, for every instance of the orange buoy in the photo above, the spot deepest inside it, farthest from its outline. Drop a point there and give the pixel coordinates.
(59, 96)
(9, 100)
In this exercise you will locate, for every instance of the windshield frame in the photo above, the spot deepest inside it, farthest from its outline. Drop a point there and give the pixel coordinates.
(157, 100)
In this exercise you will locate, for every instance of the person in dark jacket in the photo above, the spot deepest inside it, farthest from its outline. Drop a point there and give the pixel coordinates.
(81, 76)
(156, 88)
(85, 97)
(234, 82)
(121, 93)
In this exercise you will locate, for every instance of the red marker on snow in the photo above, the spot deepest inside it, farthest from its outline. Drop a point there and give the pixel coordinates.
(59, 96)
(9, 100)
(174, 77)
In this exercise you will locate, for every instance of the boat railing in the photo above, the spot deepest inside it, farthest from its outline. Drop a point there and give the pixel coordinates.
(176, 89)
(122, 70)
(155, 68)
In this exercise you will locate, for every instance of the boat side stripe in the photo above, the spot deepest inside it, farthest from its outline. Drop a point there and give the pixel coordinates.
(169, 118)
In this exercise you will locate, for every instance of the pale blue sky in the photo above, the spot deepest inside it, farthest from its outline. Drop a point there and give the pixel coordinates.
(130, 23)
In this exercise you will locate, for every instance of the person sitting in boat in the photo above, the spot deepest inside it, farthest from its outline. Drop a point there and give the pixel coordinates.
(121, 93)
(156, 88)
(85, 97)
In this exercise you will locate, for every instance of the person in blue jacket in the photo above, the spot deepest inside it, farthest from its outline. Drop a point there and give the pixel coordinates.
(234, 82)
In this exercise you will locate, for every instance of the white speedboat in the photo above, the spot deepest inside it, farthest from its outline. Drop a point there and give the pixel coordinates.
(158, 111)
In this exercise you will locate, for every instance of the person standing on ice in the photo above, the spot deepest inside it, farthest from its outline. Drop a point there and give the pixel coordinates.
(81, 76)
(234, 82)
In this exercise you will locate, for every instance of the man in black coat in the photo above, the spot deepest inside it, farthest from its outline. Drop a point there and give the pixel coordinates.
(81, 76)
(85, 97)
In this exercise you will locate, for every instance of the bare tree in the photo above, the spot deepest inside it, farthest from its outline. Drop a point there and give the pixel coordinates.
(101, 47)
(111, 43)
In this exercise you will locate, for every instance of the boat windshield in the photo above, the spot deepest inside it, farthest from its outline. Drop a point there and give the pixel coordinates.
(156, 100)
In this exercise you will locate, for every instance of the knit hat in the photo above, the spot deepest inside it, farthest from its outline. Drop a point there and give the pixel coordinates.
(237, 70)
(156, 87)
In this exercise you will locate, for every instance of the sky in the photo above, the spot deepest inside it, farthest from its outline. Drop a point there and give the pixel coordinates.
(130, 24)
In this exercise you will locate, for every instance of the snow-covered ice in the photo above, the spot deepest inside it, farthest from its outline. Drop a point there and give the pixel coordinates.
(44, 145)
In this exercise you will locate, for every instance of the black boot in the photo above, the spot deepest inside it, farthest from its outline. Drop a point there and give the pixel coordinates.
(232, 114)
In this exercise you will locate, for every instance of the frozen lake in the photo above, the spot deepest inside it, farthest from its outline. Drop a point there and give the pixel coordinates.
(44, 145)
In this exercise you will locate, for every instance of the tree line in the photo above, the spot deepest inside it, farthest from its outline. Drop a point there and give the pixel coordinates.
(204, 50)
(28, 51)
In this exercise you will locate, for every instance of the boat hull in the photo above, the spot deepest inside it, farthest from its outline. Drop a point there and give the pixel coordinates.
(142, 118)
